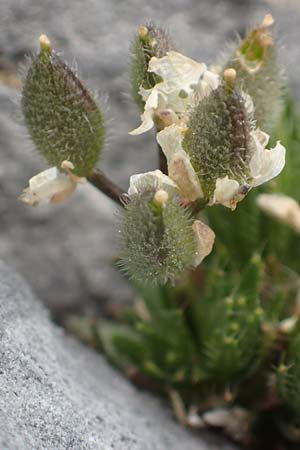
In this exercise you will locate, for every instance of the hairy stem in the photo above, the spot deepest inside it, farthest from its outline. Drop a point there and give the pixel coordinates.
(105, 185)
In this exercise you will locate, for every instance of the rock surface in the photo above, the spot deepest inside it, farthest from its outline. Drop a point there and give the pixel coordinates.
(56, 394)
(66, 251)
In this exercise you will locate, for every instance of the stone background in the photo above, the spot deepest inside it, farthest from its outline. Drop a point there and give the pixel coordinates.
(66, 251)
(56, 394)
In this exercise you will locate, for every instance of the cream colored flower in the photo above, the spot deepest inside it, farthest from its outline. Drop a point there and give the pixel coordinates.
(281, 207)
(229, 192)
(154, 180)
(265, 164)
(182, 78)
(180, 168)
(51, 186)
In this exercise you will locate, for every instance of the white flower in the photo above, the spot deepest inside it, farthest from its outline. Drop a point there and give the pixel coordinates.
(182, 78)
(154, 180)
(264, 165)
(281, 207)
(180, 168)
(51, 186)
(228, 192)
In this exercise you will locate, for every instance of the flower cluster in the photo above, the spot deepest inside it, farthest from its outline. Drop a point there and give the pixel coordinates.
(213, 148)
(207, 122)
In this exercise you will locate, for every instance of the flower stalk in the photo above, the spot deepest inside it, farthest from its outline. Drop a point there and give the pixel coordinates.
(98, 179)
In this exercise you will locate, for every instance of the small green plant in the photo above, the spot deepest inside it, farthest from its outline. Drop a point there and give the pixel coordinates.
(215, 262)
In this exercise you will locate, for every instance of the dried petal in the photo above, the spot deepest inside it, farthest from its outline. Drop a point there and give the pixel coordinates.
(180, 168)
(281, 207)
(51, 186)
(205, 238)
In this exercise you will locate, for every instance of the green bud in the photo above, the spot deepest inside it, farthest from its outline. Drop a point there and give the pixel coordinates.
(258, 72)
(150, 41)
(157, 239)
(63, 119)
(218, 136)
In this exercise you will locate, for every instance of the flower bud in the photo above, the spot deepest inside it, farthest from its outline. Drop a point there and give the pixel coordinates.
(150, 41)
(258, 72)
(158, 237)
(60, 113)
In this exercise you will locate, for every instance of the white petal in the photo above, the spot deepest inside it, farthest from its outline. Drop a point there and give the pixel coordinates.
(265, 164)
(144, 93)
(208, 82)
(228, 192)
(205, 238)
(147, 123)
(177, 70)
(49, 186)
(154, 98)
(260, 136)
(179, 165)
(281, 207)
(150, 180)
(170, 140)
(212, 79)
(175, 92)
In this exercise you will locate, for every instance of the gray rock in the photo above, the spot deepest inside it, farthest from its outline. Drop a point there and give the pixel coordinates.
(55, 394)
(66, 251)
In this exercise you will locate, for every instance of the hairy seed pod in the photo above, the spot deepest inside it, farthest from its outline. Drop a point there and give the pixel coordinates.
(61, 115)
(157, 239)
(150, 41)
(259, 74)
(217, 139)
